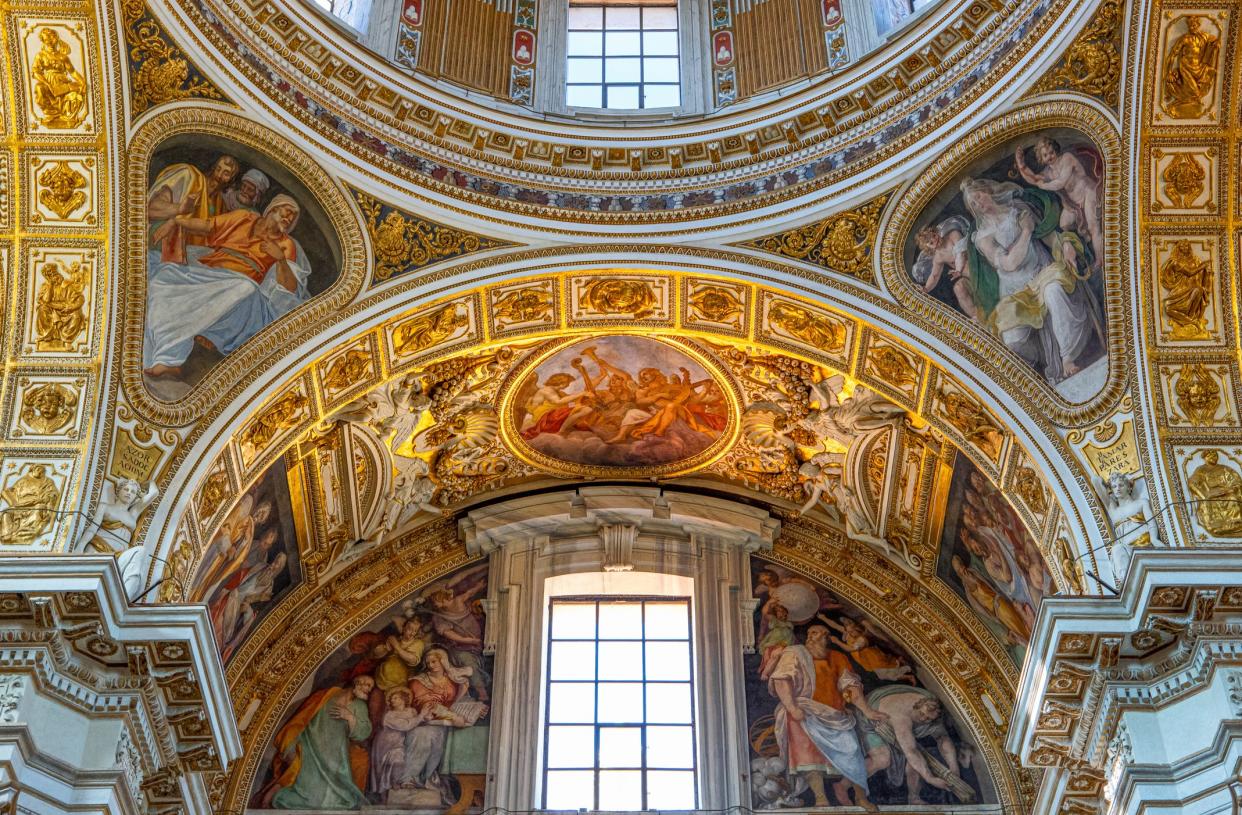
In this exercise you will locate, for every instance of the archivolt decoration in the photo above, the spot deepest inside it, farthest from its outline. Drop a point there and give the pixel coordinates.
(229, 375)
(932, 624)
(980, 343)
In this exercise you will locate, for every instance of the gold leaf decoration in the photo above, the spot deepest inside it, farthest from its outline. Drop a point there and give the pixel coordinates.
(405, 243)
(159, 72)
(1092, 63)
(843, 242)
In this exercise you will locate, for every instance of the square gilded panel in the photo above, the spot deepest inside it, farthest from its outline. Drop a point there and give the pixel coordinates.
(46, 407)
(620, 299)
(891, 367)
(803, 327)
(1186, 290)
(33, 493)
(58, 301)
(61, 190)
(519, 308)
(972, 422)
(1185, 180)
(348, 371)
(432, 330)
(716, 305)
(56, 83)
(1212, 482)
(1190, 80)
(1198, 394)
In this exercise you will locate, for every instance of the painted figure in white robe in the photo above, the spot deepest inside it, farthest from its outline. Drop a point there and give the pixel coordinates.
(249, 272)
(1043, 313)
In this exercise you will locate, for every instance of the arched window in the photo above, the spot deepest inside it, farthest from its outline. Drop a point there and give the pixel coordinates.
(622, 57)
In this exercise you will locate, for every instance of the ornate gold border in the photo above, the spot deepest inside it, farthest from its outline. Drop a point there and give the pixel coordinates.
(952, 326)
(271, 341)
(513, 439)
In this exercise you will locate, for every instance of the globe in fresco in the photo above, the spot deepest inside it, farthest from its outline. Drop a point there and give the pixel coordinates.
(619, 403)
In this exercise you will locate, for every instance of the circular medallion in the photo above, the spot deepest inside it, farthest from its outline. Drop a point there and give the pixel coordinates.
(619, 405)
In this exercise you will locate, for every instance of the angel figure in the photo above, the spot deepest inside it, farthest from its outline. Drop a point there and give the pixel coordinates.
(111, 529)
(824, 485)
(843, 421)
(394, 410)
(1131, 516)
(411, 493)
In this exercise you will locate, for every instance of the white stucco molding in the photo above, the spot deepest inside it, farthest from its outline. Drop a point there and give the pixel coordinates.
(106, 707)
(1137, 692)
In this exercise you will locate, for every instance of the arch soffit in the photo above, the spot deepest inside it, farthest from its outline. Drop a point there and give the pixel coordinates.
(268, 671)
(1027, 443)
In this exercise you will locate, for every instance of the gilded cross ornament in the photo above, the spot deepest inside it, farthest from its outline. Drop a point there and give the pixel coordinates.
(61, 189)
(48, 408)
(1188, 83)
(60, 315)
(1198, 394)
(841, 243)
(59, 89)
(405, 243)
(159, 72)
(1187, 283)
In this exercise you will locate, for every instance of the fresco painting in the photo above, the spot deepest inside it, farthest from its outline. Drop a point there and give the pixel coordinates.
(989, 558)
(251, 563)
(839, 715)
(234, 243)
(1015, 242)
(397, 719)
(620, 401)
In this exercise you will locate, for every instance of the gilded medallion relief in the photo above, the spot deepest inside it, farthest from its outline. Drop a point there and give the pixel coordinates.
(1198, 394)
(1185, 180)
(287, 411)
(803, 327)
(973, 422)
(1185, 284)
(61, 190)
(621, 298)
(1213, 489)
(892, 367)
(57, 96)
(523, 307)
(58, 295)
(433, 331)
(46, 407)
(1190, 82)
(715, 305)
(347, 370)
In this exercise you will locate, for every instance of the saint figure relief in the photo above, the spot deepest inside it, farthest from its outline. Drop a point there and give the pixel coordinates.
(1218, 493)
(1190, 71)
(1187, 281)
(59, 89)
(29, 507)
(59, 309)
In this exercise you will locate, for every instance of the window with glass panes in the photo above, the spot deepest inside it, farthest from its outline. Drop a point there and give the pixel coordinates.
(622, 57)
(619, 722)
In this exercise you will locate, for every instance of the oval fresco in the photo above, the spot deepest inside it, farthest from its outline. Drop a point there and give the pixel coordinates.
(620, 405)
(1015, 243)
(234, 242)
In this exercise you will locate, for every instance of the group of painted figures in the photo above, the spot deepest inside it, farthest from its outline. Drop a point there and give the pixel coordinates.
(839, 715)
(398, 718)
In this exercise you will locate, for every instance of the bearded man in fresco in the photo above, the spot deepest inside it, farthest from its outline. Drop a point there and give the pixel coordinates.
(816, 731)
(320, 761)
(183, 189)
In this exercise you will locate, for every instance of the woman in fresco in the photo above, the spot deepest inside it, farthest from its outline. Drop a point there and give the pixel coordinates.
(1019, 250)
(426, 683)
(843, 721)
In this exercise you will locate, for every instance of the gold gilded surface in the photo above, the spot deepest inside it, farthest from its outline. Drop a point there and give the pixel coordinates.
(48, 408)
(1187, 282)
(287, 411)
(59, 89)
(1198, 394)
(1189, 71)
(64, 190)
(60, 306)
(1092, 63)
(841, 242)
(1185, 180)
(1217, 490)
(159, 71)
(29, 498)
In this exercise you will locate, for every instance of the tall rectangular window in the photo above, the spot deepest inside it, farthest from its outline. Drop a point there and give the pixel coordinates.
(623, 57)
(619, 722)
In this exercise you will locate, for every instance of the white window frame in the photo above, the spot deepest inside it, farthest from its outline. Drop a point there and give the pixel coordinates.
(618, 540)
